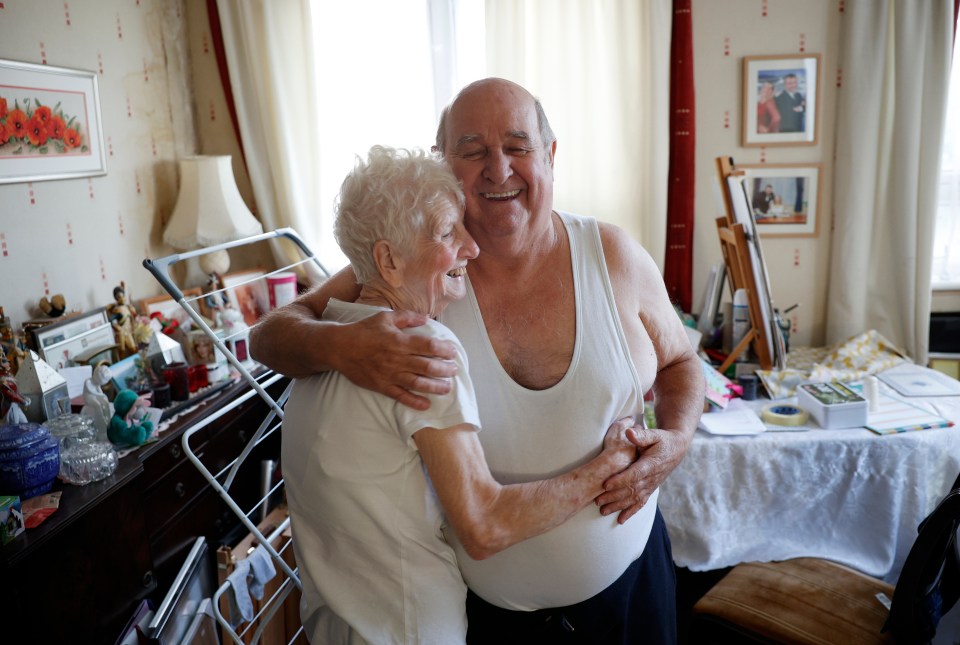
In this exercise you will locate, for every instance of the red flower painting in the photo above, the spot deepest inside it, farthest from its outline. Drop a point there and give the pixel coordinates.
(36, 128)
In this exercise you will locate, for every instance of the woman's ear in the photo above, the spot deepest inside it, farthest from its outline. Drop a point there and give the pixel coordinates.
(389, 263)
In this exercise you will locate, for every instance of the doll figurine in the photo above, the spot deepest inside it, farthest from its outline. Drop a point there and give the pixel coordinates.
(130, 424)
(122, 316)
(10, 398)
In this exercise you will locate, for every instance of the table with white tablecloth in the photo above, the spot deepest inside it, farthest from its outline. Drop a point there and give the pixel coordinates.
(850, 495)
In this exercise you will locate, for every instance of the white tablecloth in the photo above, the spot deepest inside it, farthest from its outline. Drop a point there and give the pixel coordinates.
(851, 496)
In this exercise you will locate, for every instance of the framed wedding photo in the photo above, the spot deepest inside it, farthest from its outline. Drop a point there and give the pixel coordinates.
(780, 100)
(50, 125)
(784, 198)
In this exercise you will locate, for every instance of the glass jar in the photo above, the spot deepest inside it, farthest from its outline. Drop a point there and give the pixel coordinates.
(83, 459)
(71, 429)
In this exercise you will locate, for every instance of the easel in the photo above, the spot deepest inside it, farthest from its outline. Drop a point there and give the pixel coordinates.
(735, 245)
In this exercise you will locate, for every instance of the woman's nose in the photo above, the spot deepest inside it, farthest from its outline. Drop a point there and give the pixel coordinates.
(469, 248)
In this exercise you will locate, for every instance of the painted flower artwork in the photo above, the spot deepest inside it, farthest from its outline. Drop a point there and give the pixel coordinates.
(30, 127)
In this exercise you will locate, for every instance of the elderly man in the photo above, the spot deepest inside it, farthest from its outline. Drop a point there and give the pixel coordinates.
(567, 324)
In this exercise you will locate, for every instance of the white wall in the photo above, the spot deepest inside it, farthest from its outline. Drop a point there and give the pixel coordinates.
(724, 32)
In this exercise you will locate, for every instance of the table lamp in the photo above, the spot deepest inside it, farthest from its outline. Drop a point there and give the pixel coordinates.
(209, 211)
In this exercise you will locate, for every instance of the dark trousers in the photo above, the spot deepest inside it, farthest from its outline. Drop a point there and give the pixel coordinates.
(640, 607)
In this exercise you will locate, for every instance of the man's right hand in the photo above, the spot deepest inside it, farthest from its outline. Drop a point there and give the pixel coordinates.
(375, 354)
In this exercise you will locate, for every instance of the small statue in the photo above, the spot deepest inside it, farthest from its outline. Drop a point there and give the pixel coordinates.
(213, 299)
(54, 307)
(130, 424)
(10, 399)
(16, 349)
(122, 316)
(232, 320)
(96, 404)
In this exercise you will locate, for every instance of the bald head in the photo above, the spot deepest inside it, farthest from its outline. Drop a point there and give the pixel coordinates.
(498, 89)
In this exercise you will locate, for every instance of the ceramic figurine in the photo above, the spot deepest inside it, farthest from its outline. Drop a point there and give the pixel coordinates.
(96, 405)
(16, 349)
(122, 316)
(54, 307)
(130, 424)
(10, 398)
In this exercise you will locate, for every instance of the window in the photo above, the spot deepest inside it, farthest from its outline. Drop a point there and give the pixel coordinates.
(946, 245)
(384, 81)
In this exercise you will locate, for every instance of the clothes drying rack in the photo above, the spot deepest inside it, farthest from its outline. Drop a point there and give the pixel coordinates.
(221, 481)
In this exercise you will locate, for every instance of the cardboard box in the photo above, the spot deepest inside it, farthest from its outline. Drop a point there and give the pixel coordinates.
(833, 405)
(11, 518)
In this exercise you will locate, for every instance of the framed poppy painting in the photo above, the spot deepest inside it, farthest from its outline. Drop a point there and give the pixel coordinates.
(49, 123)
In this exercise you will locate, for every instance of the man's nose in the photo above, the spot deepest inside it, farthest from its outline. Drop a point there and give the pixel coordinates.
(497, 168)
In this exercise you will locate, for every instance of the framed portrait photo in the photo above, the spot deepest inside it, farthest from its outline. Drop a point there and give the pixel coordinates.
(61, 343)
(50, 125)
(167, 307)
(780, 100)
(784, 198)
(247, 292)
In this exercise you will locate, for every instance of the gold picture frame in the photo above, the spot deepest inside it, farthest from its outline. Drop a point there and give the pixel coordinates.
(785, 198)
(781, 99)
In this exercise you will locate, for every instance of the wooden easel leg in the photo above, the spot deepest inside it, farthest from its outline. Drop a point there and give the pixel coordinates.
(739, 349)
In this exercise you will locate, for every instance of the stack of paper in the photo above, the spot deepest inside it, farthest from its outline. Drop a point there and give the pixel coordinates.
(894, 415)
(735, 420)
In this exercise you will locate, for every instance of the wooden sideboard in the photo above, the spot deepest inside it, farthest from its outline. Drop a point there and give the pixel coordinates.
(79, 575)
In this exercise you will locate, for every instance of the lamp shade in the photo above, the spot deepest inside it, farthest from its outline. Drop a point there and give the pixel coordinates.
(209, 208)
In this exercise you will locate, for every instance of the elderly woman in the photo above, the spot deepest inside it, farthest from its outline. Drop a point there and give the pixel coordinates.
(371, 483)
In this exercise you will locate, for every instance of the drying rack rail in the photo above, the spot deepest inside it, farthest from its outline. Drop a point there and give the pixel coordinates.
(270, 606)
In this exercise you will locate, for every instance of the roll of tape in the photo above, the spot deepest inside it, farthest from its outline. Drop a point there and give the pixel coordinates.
(784, 415)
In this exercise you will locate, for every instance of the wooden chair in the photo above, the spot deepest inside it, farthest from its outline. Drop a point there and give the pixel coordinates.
(808, 600)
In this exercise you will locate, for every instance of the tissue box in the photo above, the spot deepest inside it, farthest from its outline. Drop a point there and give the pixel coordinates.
(11, 518)
(833, 405)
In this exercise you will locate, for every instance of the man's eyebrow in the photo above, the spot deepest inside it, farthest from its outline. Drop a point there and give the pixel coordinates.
(519, 134)
(467, 138)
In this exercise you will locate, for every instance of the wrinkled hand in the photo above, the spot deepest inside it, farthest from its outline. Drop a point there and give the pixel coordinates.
(658, 453)
(618, 444)
(375, 354)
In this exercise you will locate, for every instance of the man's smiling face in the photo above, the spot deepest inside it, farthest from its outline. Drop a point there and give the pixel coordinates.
(494, 147)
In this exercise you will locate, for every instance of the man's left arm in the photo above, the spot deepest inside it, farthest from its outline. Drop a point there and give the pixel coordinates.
(678, 386)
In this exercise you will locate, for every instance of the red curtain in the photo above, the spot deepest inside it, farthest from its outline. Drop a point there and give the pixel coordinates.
(216, 35)
(678, 259)
(956, 19)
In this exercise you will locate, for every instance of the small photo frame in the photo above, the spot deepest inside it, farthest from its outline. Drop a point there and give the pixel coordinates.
(247, 292)
(169, 308)
(51, 120)
(780, 100)
(124, 372)
(784, 198)
(58, 344)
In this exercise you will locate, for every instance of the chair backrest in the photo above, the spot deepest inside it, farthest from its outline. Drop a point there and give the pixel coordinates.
(929, 583)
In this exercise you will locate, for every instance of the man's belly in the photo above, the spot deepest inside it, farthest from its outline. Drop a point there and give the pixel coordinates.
(564, 566)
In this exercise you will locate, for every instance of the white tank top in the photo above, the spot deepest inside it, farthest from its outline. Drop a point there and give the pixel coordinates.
(536, 434)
